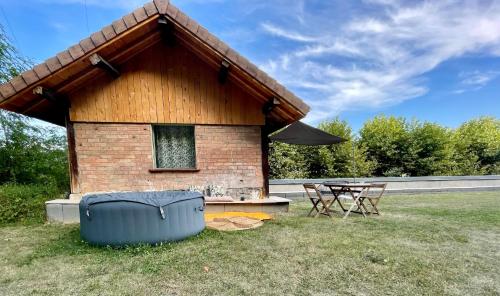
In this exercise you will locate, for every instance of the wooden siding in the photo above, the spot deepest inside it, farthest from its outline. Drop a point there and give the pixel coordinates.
(165, 85)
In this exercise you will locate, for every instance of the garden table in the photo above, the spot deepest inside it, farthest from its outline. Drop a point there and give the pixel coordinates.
(358, 192)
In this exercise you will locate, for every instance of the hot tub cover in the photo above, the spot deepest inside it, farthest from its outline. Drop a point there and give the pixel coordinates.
(157, 199)
(153, 198)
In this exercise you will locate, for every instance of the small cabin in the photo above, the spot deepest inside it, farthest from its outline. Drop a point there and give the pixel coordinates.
(156, 102)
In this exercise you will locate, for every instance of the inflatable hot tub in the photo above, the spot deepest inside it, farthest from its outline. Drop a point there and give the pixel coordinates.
(130, 218)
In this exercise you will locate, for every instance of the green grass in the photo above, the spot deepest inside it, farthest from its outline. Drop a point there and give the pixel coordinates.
(442, 244)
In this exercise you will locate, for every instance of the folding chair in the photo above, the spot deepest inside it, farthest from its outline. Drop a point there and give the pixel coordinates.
(317, 199)
(373, 197)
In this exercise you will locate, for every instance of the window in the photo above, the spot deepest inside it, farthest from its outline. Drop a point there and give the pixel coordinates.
(174, 146)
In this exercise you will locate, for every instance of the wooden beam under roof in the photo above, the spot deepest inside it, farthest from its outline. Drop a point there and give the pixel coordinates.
(281, 112)
(51, 96)
(98, 61)
(31, 106)
(270, 105)
(25, 93)
(70, 78)
(223, 71)
(121, 57)
(167, 30)
(289, 113)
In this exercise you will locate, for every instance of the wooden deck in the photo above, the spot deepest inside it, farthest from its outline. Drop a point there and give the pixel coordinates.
(271, 205)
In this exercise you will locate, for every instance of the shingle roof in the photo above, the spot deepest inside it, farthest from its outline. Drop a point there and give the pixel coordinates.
(30, 78)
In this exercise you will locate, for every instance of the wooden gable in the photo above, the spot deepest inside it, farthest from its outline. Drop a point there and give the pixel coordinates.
(165, 84)
(42, 92)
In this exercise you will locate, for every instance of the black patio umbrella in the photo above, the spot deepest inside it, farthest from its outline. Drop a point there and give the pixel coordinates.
(302, 134)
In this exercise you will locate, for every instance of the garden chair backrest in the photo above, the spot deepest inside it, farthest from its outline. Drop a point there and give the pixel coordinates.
(376, 190)
(312, 187)
(320, 205)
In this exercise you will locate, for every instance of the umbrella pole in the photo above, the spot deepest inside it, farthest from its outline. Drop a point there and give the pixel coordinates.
(353, 163)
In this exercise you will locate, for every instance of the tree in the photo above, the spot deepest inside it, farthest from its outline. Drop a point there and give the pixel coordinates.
(314, 164)
(28, 153)
(346, 159)
(477, 147)
(431, 149)
(387, 143)
(286, 162)
(11, 62)
(297, 161)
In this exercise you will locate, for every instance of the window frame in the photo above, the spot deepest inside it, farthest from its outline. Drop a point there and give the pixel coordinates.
(157, 169)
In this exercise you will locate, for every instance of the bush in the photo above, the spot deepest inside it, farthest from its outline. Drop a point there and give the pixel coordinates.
(25, 203)
(30, 154)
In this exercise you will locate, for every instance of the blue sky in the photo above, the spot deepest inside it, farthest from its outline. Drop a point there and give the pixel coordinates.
(437, 61)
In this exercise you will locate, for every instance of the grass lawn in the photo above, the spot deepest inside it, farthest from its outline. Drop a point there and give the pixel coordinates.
(439, 244)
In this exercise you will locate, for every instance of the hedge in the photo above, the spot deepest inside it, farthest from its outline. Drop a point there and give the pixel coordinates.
(25, 203)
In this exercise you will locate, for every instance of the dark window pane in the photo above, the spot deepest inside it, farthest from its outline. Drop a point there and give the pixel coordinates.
(175, 146)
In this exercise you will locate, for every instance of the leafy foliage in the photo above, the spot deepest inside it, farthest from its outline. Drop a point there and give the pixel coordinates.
(286, 161)
(294, 161)
(346, 159)
(432, 150)
(387, 142)
(477, 147)
(30, 154)
(25, 203)
(11, 63)
(393, 146)
(33, 161)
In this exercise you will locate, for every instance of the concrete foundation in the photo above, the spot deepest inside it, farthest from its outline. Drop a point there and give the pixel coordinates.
(63, 211)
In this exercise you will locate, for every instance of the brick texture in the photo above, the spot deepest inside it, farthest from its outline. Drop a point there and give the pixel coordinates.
(117, 157)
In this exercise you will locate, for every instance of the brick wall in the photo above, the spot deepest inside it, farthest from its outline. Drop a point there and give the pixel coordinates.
(117, 157)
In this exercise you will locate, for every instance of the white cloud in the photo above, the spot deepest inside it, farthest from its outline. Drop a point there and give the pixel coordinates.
(369, 25)
(276, 31)
(475, 80)
(478, 78)
(379, 58)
